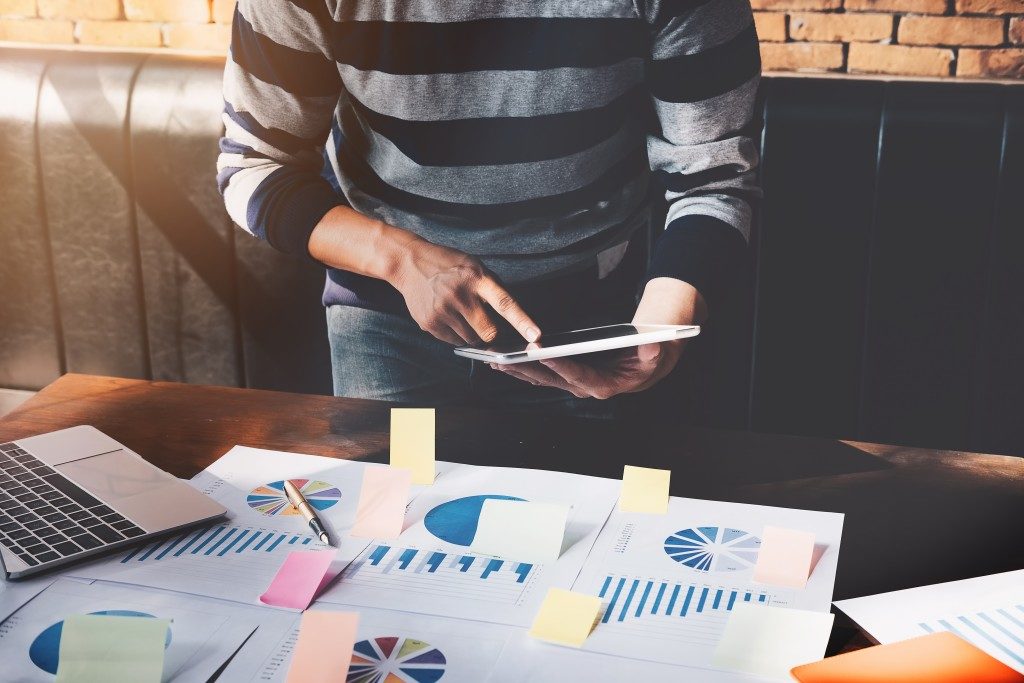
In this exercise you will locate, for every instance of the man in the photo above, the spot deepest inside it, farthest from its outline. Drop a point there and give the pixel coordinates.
(489, 164)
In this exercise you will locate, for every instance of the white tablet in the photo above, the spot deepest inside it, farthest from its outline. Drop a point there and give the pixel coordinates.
(577, 342)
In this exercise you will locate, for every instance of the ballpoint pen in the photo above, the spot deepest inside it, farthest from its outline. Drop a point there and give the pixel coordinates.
(300, 503)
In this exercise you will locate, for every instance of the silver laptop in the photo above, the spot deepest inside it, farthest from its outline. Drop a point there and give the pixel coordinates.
(75, 493)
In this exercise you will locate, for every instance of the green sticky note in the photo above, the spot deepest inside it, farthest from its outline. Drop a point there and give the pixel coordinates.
(97, 648)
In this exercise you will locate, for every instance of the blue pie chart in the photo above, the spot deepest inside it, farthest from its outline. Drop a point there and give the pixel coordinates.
(45, 649)
(455, 521)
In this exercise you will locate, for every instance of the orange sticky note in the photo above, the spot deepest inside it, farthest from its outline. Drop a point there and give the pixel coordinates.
(785, 557)
(382, 501)
(297, 581)
(936, 658)
(323, 651)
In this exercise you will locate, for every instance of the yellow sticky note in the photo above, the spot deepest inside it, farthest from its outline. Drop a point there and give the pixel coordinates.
(644, 490)
(100, 648)
(566, 618)
(784, 558)
(412, 442)
(323, 651)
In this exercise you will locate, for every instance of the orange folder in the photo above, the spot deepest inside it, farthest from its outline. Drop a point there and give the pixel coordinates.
(935, 658)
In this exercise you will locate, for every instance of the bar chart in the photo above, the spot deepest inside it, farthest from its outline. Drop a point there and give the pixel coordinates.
(674, 618)
(998, 631)
(633, 598)
(217, 541)
(234, 562)
(440, 573)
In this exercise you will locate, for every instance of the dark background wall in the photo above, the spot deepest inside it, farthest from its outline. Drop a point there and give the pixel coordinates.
(885, 286)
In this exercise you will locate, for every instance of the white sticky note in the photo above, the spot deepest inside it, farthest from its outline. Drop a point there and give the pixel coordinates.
(521, 530)
(784, 558)
(412, 442)
(769, 641)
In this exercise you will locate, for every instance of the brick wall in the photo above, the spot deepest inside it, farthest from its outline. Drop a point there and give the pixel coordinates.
(203, 25)
(965, 38)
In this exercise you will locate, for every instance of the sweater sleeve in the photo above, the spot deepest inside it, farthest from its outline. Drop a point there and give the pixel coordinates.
(281, 88)
(702, 73)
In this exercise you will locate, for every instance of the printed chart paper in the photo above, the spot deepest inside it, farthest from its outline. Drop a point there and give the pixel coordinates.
(668, 583)
(987, 611)
(236, 559)
(203, 635)
(412, 648)
(430, 568)
(14, 594)
(769, 641)
(100, 648)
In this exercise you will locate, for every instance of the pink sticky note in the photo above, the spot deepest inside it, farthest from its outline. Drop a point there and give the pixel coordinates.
(298, 579)
(382, 501)
(784, 558)
(323, 651)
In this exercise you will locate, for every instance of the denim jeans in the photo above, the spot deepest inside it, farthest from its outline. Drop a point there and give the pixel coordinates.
(386, 356)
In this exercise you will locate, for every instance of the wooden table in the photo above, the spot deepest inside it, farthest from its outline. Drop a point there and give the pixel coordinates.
(913, 516)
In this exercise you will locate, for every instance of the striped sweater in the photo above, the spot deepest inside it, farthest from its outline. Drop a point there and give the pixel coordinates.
(530, 133)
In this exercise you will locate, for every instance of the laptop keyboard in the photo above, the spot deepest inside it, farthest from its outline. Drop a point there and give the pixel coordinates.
(44, 516)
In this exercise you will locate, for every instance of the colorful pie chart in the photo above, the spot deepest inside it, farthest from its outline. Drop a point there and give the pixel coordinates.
(390, 659)
(270, 499)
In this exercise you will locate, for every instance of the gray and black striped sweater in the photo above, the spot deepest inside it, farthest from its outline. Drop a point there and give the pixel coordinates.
(527, 132)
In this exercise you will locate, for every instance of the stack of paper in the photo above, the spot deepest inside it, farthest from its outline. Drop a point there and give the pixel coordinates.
(471, 573)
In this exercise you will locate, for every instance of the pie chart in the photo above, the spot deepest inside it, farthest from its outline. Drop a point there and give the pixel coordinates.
(455, 521)
(44, 651)
(270, 499)
(390, 659)
(713, 548)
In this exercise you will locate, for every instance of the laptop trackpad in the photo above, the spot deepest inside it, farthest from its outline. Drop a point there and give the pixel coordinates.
(116, 476)
(141, 492)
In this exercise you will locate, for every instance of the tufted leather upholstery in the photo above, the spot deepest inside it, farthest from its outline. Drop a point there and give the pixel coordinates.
(889, 254)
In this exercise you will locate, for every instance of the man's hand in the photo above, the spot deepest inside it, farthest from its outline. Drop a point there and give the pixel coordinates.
(448, 293)
(665, 301)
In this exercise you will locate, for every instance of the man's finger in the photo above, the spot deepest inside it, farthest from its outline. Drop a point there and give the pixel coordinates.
(538, 374)
(574, 373)
(600, 385)
(502, 302)
(447, 334)
(483, 326)
(648, 353)
(466, 331)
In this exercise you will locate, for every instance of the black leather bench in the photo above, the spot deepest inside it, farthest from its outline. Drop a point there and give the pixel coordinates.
(887, 278)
